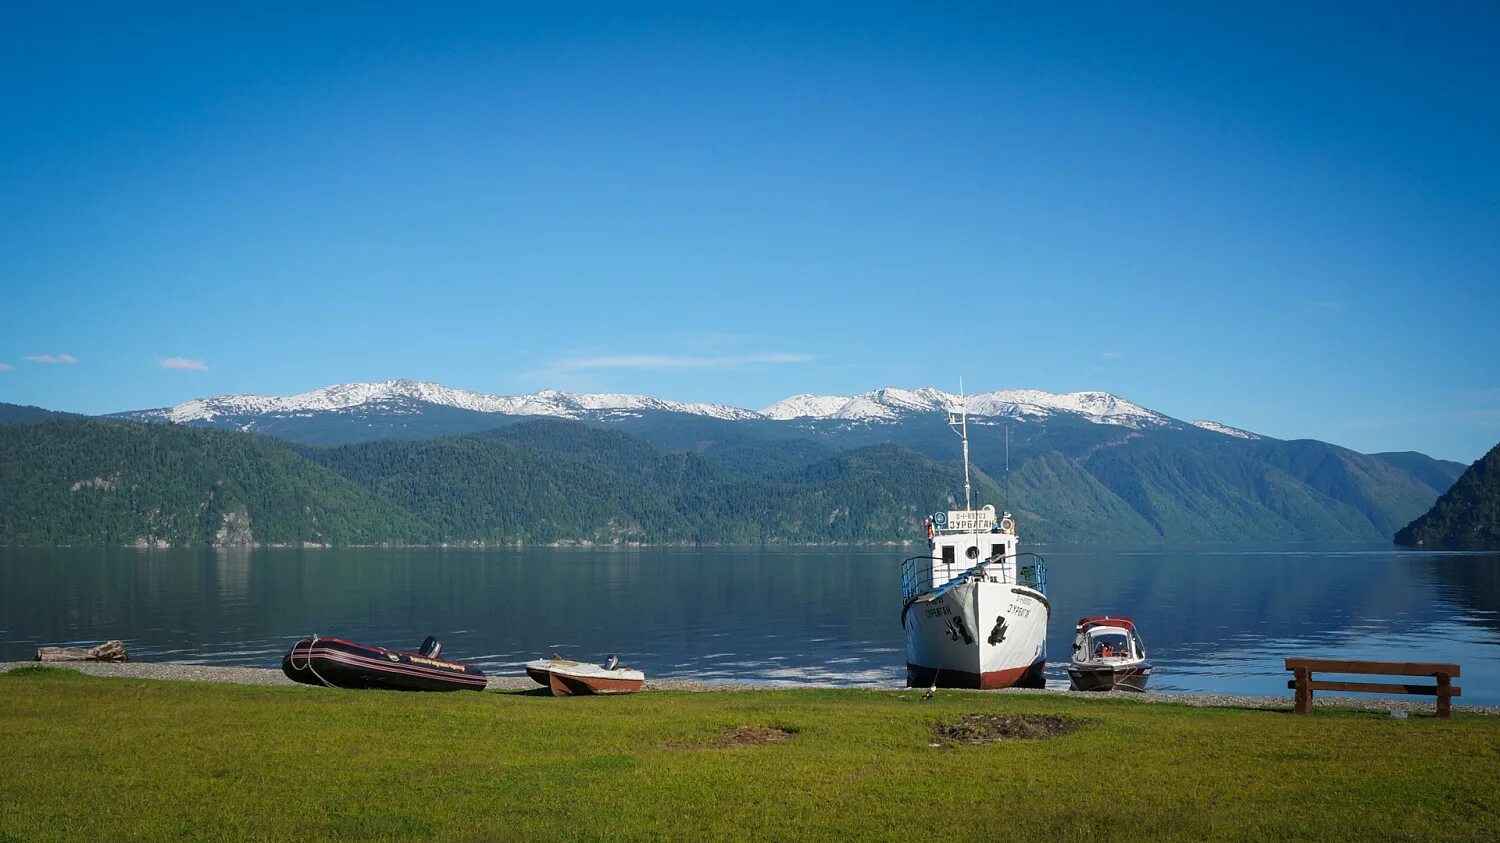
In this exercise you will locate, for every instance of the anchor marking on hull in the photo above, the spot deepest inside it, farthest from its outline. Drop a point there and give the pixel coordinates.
(956, 628)
(998, 633)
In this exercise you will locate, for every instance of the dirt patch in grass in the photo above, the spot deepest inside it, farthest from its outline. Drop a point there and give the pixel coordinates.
(977, 729)
(739, 736)
(753, 736)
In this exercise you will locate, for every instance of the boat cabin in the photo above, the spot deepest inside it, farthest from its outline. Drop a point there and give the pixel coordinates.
(1107, 640)
(961, 539)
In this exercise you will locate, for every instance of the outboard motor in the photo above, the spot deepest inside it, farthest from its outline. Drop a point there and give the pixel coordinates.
(431, 647)
(612, 662)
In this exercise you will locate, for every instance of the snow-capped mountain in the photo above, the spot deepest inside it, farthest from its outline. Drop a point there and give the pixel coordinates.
(880, 405)
(1224, 429)
(397, 399)
(356, 395)
(893, 403)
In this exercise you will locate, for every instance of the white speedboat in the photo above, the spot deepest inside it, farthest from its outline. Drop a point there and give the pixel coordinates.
(975, 607)
(569, 678)
(1108, 656)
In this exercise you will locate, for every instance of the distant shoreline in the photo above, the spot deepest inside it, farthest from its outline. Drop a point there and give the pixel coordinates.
(454, 546)
(177, 672)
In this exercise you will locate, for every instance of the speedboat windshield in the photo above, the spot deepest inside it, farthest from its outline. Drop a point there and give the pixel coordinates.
(1105, 645)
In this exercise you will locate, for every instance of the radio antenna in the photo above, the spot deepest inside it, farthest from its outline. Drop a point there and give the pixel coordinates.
(961, 427)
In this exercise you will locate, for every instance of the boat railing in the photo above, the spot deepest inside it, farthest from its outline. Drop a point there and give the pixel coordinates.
(917, 574)
(1025, 569)
(1031, 571)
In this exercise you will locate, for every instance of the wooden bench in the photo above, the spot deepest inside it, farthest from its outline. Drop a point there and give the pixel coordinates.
(1304, 685)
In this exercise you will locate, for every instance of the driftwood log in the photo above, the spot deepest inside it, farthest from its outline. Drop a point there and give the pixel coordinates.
(109, 651)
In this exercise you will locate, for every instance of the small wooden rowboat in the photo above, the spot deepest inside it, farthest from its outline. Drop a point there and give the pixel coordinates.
(337, 663)
(568, 678)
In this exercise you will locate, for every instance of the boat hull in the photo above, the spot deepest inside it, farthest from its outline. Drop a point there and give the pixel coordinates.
(564, 684)
(977, 635)
(343, 664)
(571, 679)
(539, 672)
(1130, 677)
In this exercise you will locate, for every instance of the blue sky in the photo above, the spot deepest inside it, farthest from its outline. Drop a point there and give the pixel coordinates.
(1285, 218)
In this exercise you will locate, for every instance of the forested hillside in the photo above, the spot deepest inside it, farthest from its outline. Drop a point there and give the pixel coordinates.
(108, 482)
(677, 478)
(1468, 515)
(548, 480)
(1082, 466)
(97, 482)
(1071, 480)
(10, 413)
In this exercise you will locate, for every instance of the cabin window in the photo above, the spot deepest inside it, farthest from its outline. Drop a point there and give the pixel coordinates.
(1110, 645)
(997, 550)
(972, 552)
(947, 554)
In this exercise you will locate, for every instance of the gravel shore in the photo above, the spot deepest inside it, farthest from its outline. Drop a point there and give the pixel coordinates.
(267, 676)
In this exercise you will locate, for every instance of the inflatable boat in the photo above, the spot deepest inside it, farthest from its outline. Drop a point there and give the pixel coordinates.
(337, 663)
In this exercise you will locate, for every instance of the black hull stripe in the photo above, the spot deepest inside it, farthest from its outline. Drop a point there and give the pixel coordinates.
(326, 664)
(468, 670)
(343, 675)
(344, 663)
(393, 667)
(380, 656)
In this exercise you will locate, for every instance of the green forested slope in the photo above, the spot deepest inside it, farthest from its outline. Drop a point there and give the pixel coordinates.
(552, 480)
(1467, 515)
(1439, 475)
(548, 480)
(98, 482)
(10, 413)
(1263, 491)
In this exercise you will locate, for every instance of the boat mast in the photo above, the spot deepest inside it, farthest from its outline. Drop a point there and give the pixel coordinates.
(961, 427)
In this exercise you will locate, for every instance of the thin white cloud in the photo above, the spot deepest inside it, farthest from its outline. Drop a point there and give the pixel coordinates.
(51, 358)
(1113, 355)
(6, 367)
(664, 361)
(184, 363)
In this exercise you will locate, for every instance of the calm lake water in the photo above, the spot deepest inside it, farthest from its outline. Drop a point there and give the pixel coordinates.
(1213, 619)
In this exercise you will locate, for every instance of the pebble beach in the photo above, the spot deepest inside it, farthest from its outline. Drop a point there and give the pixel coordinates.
(268, 676)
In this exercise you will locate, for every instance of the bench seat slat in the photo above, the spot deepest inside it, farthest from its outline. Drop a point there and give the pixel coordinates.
(1377, 688)
(1378, 668)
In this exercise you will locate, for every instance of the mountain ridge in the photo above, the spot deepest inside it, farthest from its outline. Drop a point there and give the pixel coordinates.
(1467, 515)
(883, 404)
(666, 477)
(1086, 466)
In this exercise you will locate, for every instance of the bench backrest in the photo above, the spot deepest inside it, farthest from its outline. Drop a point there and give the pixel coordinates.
(1379, 668)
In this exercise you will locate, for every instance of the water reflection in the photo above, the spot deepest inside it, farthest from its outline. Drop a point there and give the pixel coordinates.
(1213, 619)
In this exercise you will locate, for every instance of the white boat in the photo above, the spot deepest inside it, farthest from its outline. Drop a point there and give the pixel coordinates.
(1108, 656)
(975, 607)
(569, 678)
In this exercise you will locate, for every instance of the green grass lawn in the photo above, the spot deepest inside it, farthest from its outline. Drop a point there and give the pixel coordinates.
(85, 758)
